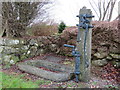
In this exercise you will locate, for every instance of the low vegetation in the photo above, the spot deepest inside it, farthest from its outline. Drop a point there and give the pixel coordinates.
(13, 81)
(42, 30)
(10, 81)
(61, 27)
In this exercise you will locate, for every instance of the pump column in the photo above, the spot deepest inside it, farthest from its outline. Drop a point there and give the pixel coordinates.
(85, 71)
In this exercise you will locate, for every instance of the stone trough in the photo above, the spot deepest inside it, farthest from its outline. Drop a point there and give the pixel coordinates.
(54, 71)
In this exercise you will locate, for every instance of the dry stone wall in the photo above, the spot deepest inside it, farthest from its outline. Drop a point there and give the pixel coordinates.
(105, 45)
(14, 50)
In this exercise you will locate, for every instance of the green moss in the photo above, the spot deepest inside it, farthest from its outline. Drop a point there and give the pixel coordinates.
(15, 59)
(23, 57)
(71, 63)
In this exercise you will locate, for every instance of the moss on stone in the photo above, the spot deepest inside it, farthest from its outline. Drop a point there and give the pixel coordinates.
(22, 57)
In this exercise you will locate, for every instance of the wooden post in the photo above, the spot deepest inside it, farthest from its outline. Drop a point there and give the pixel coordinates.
(85, 72)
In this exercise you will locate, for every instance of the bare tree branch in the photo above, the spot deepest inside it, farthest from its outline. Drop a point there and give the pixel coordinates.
(100, 11)
(94, 9)
(105, 9)
(19, 15)
(111, 10)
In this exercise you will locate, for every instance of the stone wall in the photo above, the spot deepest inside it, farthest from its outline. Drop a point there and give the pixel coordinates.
(105, 45)
(14, 50)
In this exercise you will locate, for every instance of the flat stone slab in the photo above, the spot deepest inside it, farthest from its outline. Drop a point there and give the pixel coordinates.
(60, 72)
(53, 57)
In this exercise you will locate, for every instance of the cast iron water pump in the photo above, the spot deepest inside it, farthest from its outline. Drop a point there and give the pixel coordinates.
(84, 24)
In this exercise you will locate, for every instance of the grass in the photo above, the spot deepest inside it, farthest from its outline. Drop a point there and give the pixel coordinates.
(10, 81)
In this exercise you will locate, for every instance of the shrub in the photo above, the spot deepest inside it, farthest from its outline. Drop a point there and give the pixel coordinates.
(61, 27)
(42, 30)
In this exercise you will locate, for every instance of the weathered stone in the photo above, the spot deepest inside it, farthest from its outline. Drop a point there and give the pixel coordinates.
(39, 39)
(102, 49)
(23, 41)
(53, 47)
(116, 56)
(114, 50)
(58, 51)
(15, 59)
(9, 59)
(1, 48)
(1, 41)
(55, 39)
(109, 58)
(100, 63)
(33, 42)
(10, 50)
(103, 44)
(46, 41)
(32, 66)
(26, 47)
(41, 45)
(1, 58)
(12, 62)
(36, 44)
(22, 57)
(52, 58)
(65, 35)
(101, 55)
(33, 51)
(116, 64)
(28, 52)
(6, 59)
(40, 51)
(11, 41)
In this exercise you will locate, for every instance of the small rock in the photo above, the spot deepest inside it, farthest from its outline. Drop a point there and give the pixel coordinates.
(109, 58)
(6, 59)
(33, 42)
(116, 64)
(40, 51)
(26, 47)
(53, 47)
(1, 41)
(11, 41)
(14, 59)
(114, 50)
(22, 57)
(102, 43)
(101, 55)
(28, 52)
(12, 62)
(102, 49)
(1, 48)
(10, 50)
(33, 51)
(100, 63)
(23, 41)
(116, 56)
